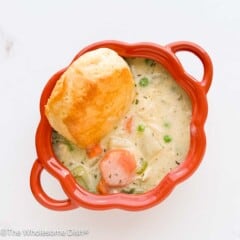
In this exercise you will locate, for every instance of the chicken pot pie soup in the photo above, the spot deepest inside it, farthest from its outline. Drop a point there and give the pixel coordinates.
(150, 139)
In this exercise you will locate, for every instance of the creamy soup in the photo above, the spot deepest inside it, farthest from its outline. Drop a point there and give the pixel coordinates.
(156, 130)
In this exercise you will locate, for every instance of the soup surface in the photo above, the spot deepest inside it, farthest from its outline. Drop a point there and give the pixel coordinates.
(156, 130)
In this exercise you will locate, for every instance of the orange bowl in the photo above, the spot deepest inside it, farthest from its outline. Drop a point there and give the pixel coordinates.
(79, 197)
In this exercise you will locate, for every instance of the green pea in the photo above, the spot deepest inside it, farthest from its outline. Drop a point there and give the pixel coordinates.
(144, 82)
(167, 139)
(140, 128)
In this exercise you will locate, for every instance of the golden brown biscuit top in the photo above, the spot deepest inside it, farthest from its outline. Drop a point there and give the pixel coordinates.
(91, 96)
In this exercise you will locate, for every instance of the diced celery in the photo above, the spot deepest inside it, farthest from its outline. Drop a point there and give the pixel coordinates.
(142, 168)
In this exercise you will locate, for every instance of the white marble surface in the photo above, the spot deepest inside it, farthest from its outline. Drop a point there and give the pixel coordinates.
(39, 37)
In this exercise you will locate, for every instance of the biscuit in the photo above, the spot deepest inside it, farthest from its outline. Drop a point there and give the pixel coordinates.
(90, 97)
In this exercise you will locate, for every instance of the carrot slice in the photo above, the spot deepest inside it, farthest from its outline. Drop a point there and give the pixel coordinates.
(118, 168)
(94, 151)
(103, 187)
(129, 124)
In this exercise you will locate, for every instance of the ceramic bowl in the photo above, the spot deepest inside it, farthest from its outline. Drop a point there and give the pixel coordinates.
(79, 197)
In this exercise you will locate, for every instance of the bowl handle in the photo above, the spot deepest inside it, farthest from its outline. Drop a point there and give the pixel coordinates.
(202, 55)
(41, 196)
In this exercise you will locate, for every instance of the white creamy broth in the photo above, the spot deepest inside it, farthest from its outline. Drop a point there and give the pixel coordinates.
(159, 137)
